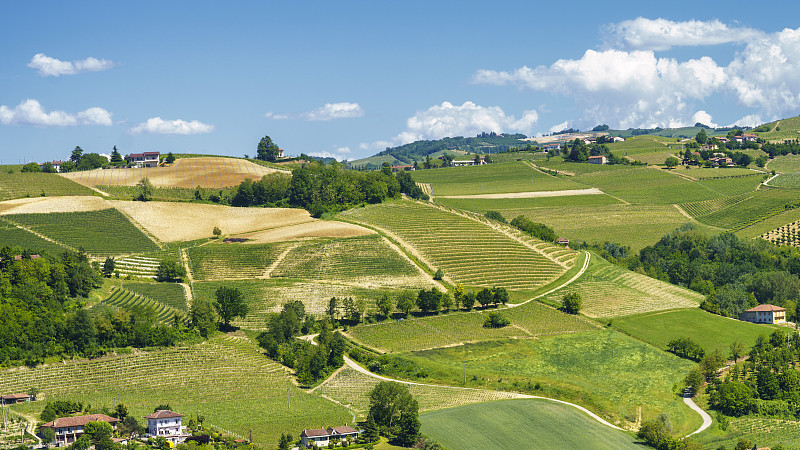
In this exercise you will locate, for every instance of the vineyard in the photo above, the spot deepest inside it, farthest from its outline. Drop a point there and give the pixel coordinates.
(786, 181)
(469, 252)
(126, 299)
(136, 266)
(18, 185)
(788, 234)
(785, 164)
(100, 233)
(219, 261)
(11, 235)
(227, 380)
(765, 431)
(706, 207)
(610, 291)
(763, 204)
(159, 193)
(170, 294)
(530, 320)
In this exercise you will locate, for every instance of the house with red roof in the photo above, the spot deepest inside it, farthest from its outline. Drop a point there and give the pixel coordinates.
(69, 429)
(146, 159)
(167, 424)
(320, 437)
(765, 313)
(10, 399)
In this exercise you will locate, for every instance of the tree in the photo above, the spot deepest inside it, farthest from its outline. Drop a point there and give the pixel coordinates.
(48, 435)
(371, 431)
(91, 161)
(429, 300)
(737, 350)
(571, 303)
(468, 301)
(77, 153)
(485, 297)
(285, 442)
(333, 308)
(170, 158)
(67, 166)
(496, 320)
(500, 295)
(217, 232)
(405, 302)
(33, 392)
(384, 305)
(170, 270)
(100, 434)
(438, 275)
(694, 380)
(48, 168)
(202, 317)
(388, 400)
(145, 189)
(130, 426)
(733, 399)
(701, 137)
(116, 157)
(409, 425)
(108, 267)
(30, 167)
(120, 411)
(267, 150)
(229, 304)
(672, 162)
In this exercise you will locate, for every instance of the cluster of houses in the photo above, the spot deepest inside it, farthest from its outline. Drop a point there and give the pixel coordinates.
(138, 160)
(167, 424)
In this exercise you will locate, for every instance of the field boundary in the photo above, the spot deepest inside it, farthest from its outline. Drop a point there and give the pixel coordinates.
(37, 234)
(567, 283)
(532, 194)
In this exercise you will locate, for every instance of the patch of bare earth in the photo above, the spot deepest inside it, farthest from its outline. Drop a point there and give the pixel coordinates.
(206, 172)
(564, 193)
(316, 229)
(170, 222)
(53, 205)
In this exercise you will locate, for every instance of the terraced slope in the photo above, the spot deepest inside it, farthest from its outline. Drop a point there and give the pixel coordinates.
(137, 266)
(227, 380)
(170, 294)
(219, 261)
(468, 252)
(126, 299)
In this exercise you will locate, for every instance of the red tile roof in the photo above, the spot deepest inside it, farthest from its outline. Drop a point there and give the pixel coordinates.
(79, 421)
(766, 307)
(342, 430)
(317, 432)
(15, 397)
(163, 414)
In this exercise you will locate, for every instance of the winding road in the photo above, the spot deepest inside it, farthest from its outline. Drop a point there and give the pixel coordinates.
(687, 398)
(571, 280)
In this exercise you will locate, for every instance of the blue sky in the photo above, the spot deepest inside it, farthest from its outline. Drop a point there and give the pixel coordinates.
(349, 78)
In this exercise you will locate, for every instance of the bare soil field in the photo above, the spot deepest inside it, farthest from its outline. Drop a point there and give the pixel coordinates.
(317, 229)
(211, 172)
(590, 191)
(171, 222)
(52, 204)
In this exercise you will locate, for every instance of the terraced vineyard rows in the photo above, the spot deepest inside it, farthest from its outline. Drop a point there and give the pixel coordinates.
(706, 207)
(137, 266)
(763, 204)
(469, 252)
(351, 387)
(100, 233)
(123, 298)
(610, 291)
(227, 380)
(170, 294)
(218, 261)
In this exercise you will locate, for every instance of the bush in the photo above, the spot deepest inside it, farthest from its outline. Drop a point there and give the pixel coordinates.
(496, 320)
(496, 216)
(571, 303)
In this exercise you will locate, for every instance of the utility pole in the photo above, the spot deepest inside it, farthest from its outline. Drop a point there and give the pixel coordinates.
(288, 402)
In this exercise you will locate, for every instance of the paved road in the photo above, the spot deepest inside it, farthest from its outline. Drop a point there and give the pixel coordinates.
(706, 418)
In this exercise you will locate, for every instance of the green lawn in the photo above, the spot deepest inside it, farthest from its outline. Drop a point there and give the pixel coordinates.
(521, 424)
(711, 331)
(18, 184)
(605, 371)
(513, 176)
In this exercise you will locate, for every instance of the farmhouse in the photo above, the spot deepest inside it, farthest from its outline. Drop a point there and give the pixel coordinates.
(548, 147)
(146, 159)
(600, 159)
(167, 424)
(722, 160)
(749, 137)
(765, 313)
(68, 429)
(467, 162)
(562, 241)
(321, 437)
(10, 399)
(56, 165)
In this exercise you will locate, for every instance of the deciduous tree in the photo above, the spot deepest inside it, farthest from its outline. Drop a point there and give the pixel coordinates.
(229, 304)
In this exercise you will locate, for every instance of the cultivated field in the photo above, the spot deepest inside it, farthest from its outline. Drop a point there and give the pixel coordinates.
(126, 299)
(170, 294)
(762, 430)
(227, 380)
(42, 205)
(316, 229)
(209, 172)
(784, 164)
(468, 252)
(99, 233)
(219, 261)
(17, 185)
(789, 129)
(611, 291)
(11, 236)
(711, 331)
(519, 424)
(745, 210)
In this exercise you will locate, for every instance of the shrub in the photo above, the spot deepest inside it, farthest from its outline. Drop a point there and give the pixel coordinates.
(496, 320)
(571, 303)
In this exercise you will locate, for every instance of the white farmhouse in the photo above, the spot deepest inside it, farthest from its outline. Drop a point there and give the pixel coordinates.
(167, 424)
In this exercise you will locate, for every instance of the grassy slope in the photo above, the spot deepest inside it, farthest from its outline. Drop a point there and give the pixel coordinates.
(514, 176)
(227, 380)
(11, 235)
(521, 424)
(17, 184)
(711, 331)
(605, 371)
(789, 129)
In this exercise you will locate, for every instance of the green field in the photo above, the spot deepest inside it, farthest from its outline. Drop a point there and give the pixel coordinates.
(709, 330)
(702, 173)
(18, 184)
(789, 129)
(769, 224)
(514, 176)
(481, 205)
(611, 291)
(11, 235)
(170, 294)
(125, 299)
(786, 181)
(763, 431)
(521, 424)
(468, 252)
(226, 379)
(784, 164)
(605, 371)
(218, 260)
(747, 210)
(100, 233)
(529, 320)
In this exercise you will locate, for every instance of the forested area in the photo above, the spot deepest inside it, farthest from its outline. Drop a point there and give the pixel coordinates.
(734, 274)
(42, 314)
(784, 148)
(321, 188)
(482, 143)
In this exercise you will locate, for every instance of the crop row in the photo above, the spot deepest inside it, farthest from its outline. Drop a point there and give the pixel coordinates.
(11, 235)
(103, 232)
(126, 299)
(137, 266)
(706, 207)
(219, 260)
(170, 294)
(17, 185)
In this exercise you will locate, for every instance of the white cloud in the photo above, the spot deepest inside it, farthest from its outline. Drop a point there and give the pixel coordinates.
(661, 34)
(31, 112)
(48, 66)
(558, 127)
(329, 111)
(157, 125)
(345, 150)
(750, 120)
(704, 118)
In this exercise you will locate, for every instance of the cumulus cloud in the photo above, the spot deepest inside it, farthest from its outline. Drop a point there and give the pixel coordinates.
(157, 125)
(559, 126)
(448, 120)
(31, 112)
(661, 34)
(750, 120)
(636, 88)
(48, 66)
(329, 111)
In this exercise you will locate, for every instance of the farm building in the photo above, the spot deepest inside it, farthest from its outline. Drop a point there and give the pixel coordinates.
(146, 159)
(10, 399)
(749, 137)
(548, 147)
(167, 424)
(56, 165)
(321, 437)
(600, 159)
(467, 162)
(68, 429)
(562, 241)
(765, 313)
